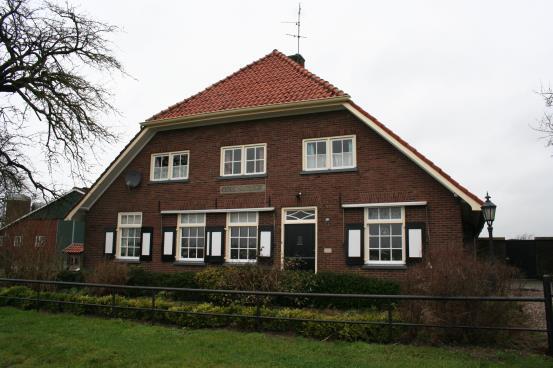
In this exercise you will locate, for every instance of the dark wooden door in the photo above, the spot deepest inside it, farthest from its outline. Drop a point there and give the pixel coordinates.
(299, 246)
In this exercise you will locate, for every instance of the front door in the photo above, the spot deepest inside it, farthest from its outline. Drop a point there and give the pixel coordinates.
(299, 246)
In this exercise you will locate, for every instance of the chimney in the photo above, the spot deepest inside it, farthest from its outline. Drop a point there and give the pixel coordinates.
(298, 59)
(16, 206)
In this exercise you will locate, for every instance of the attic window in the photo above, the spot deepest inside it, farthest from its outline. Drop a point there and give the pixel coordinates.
(330, 153)
(169, 166)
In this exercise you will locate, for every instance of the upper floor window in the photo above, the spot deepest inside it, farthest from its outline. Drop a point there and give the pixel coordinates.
(17, 240)
(129, 228)
(243, 160)
(169, 166)
(40, 241)
(329, 153)
(385, 235)
(242, 230)
(192, 237)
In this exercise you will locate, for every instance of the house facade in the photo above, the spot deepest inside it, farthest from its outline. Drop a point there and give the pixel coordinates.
(273, 166)
(44, 228)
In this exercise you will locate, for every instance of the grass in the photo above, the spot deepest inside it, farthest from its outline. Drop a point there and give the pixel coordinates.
(31, 339)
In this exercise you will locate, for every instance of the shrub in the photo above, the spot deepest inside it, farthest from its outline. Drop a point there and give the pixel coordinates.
(140, 277)
(70, 276)
(453, 272)
(107, 273)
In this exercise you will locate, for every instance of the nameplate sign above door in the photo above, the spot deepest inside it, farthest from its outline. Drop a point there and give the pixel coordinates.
(249, 188)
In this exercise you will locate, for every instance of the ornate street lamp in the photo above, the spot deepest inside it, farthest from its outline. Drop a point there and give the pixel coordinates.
(488, 211)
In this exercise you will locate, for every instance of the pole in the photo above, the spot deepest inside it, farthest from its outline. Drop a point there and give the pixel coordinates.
(548, 312)
(490, 237)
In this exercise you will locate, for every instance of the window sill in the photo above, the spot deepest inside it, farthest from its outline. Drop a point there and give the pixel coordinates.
(384, 267)
(154, 182)
(189, 263)
(230, 177)
(126, 260)
(327, 171)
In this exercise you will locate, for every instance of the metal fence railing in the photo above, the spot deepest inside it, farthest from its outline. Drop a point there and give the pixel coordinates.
(546, 300)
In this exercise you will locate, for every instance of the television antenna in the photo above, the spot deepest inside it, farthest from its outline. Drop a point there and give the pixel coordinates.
(298, 35)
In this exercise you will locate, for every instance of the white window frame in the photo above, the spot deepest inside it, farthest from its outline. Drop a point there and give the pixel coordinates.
(329, 152)
(40, 240)
(121, 226)
(241, 224)
(243, 149)
(384, 221)
(18, 241)
(180, 227)
(170, 167)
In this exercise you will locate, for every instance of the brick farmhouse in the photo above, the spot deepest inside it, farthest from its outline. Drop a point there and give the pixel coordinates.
(273, 166)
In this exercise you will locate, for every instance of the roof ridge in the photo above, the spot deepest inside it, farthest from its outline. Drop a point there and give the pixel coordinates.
(297, 67)
(198, 94)
(329, 86)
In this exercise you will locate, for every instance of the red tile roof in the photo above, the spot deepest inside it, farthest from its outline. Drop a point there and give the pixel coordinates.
(273, 79)
(75, 248)
(420, 155)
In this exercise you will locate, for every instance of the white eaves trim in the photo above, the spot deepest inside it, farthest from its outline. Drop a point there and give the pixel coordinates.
(387, 204)
(417, 160)
(218, 210)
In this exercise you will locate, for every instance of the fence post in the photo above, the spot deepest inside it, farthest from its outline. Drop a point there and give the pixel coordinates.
(548, 312)
(258, 313)
(112, 301)
(153, 304)
(37, 304)
(390, 321)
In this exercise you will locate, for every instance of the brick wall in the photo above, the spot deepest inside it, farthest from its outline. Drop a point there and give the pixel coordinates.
(384, 175)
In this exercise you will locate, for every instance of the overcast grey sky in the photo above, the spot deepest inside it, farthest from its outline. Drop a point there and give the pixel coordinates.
(456, 79)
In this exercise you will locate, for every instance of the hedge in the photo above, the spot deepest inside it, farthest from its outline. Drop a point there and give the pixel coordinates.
(255, 278)
(342, 331)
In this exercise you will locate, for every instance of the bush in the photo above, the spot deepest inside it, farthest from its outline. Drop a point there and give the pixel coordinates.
(453, 272)
(107, 273)
(70, 276)
(140, 277)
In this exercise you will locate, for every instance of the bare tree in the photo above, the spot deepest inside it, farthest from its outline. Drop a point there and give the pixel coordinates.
(46, 99)
(545, 125)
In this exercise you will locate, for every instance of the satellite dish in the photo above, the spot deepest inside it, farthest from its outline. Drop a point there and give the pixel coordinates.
(132, 179)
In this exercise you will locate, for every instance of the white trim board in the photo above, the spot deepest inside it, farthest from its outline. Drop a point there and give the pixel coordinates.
(386, 204)
(218, 210)
(416, 159)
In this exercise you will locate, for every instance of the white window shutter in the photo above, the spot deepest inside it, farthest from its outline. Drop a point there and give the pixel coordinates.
(415, 243)
(216, 243)
(354, 243)
(146, 243)
(265, 243)
(109, 242)
(168, 243)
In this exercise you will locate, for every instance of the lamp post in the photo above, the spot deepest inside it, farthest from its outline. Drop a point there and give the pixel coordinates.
(488, 211)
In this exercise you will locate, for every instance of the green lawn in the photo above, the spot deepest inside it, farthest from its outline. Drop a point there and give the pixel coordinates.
(31, 339)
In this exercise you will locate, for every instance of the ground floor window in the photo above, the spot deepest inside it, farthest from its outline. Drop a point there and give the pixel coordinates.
(385, 233)
(74, 262)
(192, 237)
(242, 230)
(129, 230)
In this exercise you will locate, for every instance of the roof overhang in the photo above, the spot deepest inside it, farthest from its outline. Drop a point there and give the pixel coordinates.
(150, 128)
